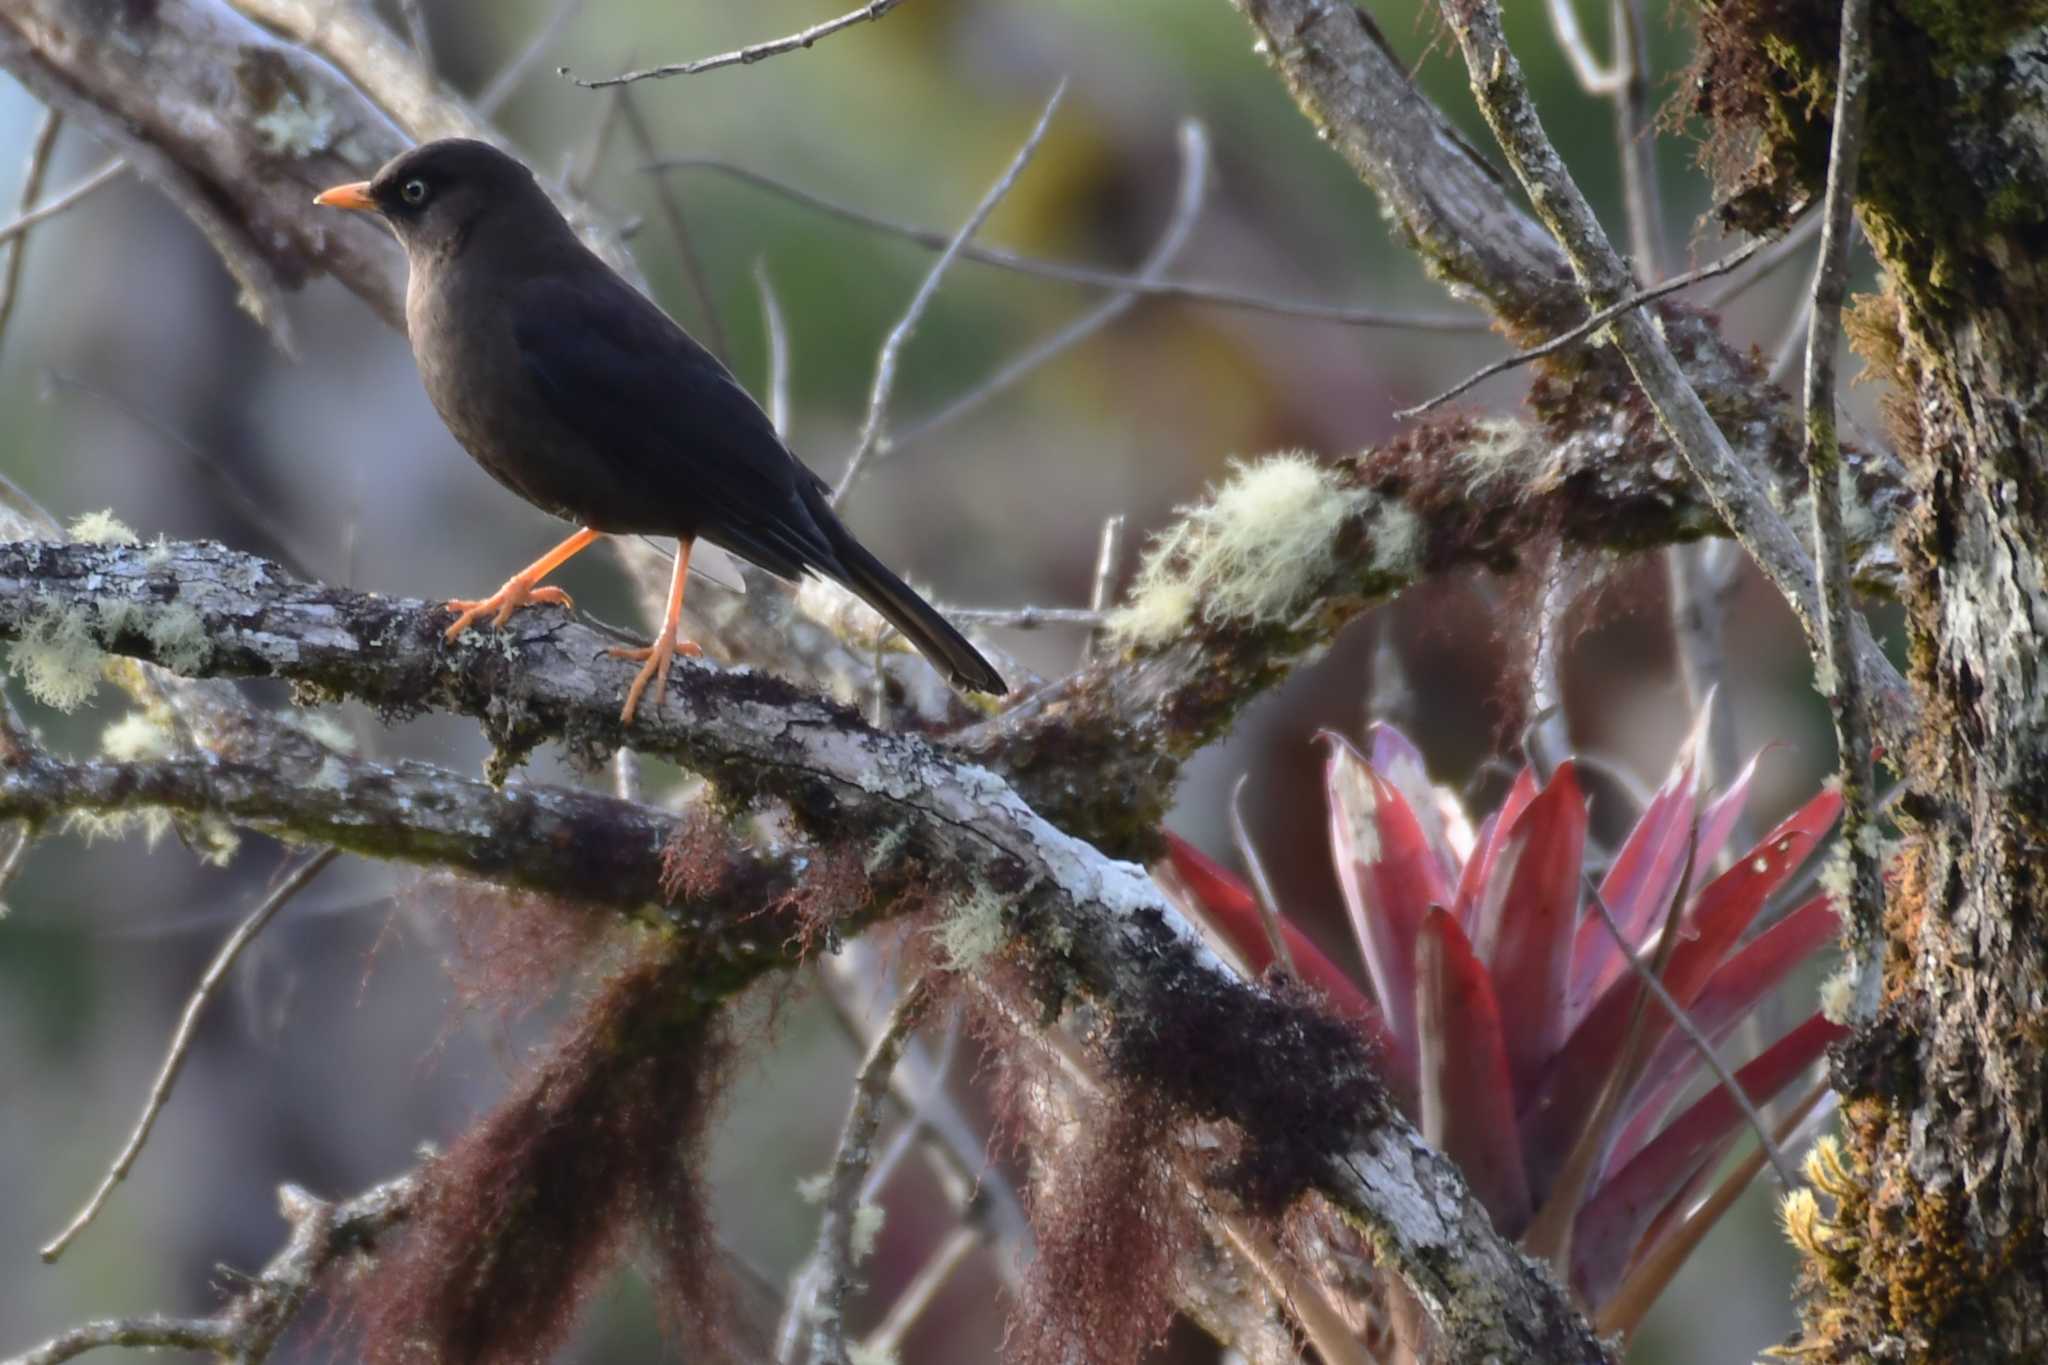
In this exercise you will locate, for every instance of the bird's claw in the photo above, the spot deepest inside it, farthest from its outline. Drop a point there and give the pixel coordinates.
(500, 605)
(654, 661)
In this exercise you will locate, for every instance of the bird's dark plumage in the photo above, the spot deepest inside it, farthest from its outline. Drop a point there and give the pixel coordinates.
(574, 390)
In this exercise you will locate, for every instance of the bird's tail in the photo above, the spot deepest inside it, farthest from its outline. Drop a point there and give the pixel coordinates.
(916, 618)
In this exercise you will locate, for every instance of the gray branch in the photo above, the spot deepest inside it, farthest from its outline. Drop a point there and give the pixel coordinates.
(922, 816)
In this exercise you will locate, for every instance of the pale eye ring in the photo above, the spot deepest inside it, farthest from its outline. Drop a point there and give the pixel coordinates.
(414, 192)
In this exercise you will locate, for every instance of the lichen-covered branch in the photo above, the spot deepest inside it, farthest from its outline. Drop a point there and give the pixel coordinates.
(1082, 924)
(1262, 574)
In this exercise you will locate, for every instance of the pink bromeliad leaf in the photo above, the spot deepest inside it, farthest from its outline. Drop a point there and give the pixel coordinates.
(1637, 887)
(1565, 1095)
(1718, 822)
(1467, 1102)
(1491, 835)
(1727, 998)
(1389, 876)
(1612, 1223)
(1394, 756)
(1524, 919)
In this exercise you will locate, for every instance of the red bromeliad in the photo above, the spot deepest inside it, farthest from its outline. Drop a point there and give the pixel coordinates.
(1511, 1026)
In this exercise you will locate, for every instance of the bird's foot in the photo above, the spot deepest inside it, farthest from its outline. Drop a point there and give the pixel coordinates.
(654, 665)
(500, 605)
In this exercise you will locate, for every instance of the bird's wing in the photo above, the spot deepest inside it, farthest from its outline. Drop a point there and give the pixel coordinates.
(646, 398)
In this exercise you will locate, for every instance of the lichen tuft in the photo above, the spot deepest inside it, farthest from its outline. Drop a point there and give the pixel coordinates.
(1248, 556)
(102, 528)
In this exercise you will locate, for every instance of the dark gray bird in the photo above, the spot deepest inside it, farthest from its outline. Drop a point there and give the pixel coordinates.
(583, 397)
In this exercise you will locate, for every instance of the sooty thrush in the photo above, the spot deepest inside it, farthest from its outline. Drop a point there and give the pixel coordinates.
(579, 394)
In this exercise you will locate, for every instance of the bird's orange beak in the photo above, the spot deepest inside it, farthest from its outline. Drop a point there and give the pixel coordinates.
(356, 196)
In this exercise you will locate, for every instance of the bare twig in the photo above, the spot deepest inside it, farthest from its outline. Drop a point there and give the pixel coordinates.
(1600, 318)
(1842, 676)
(679, 228)
(1550, 1234)
(778, 351)
(273, 529)
(39, 151)
(887, 1338)
(1734, 487)
(1187, 207)
(583, 161)
(1633, 131)
(1108, 557)
(181, 1043)
(1262, 885)
(493, 96)
(1571, 38)
(836, 1256)
(1683, 1022)
(415, 16)
(248, 1327)
(871, 427)
(1026, 617)
(745, 56)
(1549, 737)
(1091, 277)
(1652, 1273)
(1788, 244)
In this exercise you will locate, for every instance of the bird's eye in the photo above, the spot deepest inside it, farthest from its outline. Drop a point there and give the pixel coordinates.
(414, 192)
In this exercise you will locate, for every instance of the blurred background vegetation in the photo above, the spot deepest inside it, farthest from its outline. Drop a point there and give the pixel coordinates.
(130, 381)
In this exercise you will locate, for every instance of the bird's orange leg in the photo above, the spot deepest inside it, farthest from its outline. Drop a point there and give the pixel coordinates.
(520, 588)
(656, 658)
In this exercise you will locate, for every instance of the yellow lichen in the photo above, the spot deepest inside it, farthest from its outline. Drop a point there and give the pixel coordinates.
(102, 528)
(972, 931)
(1250, 555)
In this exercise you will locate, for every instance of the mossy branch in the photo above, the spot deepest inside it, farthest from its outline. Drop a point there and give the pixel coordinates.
(1082, 924)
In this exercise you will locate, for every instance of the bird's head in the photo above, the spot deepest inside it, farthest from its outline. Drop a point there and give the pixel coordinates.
(439, 193)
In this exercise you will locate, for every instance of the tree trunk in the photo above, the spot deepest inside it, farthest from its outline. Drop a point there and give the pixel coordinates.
(1936, 1251)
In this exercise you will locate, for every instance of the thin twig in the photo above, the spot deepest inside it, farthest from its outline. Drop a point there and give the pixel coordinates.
(252, 510)
(1632, 130)
(1189, 291)
(1735, 488)
(1683, 1022)
(181, 1043)
(249, 1326)
(1262, 885)
(584, 161)
(1108, 555)
(493, 96)
(415, 17)
(744, 56)
(1654, 1268)
(1788, 244)
(1549, 737)
(1593, 323)
(955, 1148)
(835, 1257)
(1194, 179)
(931, 1277)
(778, 351)
(32, 176)
(1571, 38)
(916, 1125)
(892, 345)
(1550, 1235)
(679, 228)
(1841, 676)
(1026, 617)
